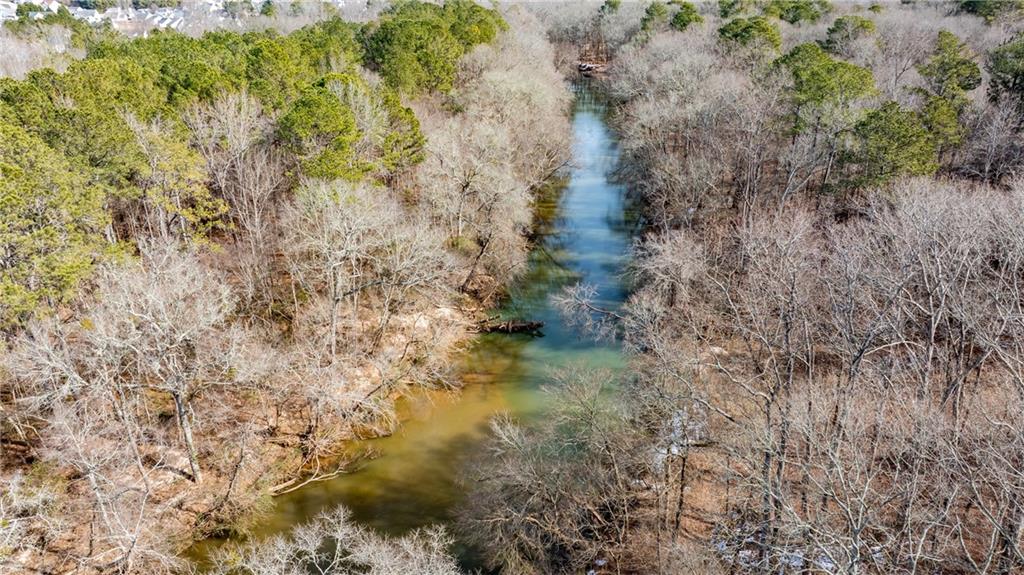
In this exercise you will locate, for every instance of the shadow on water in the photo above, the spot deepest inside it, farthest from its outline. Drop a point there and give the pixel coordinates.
(583, 235)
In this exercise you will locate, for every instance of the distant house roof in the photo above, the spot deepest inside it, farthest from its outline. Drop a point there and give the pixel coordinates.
(8, 10)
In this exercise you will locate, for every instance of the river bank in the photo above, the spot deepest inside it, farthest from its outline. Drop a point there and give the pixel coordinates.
(411, 478)
(211, 327)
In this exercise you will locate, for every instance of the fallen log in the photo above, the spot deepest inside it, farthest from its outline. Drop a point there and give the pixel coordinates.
(512, 326)
(590, 68)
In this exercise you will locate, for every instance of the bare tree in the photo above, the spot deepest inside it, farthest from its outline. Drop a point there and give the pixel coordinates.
(332, 544)
(153, 326)
(333, 227)
(233, 135)
(992, 151)
(562, 496)
(484, 164)
(350, 240)
(31, 514)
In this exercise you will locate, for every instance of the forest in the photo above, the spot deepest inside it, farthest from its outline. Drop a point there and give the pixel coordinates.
(228, 254)
(223, 254)
(825, 320)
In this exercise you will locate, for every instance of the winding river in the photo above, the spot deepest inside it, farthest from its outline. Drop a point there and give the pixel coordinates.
(414, 479)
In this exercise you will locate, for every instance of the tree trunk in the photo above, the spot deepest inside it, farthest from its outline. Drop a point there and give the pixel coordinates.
(1009, 536)
(476, 262)
(335, 300)
(186, 431)
(512, 326)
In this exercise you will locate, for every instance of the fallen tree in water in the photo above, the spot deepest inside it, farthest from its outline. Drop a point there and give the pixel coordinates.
(490, 325)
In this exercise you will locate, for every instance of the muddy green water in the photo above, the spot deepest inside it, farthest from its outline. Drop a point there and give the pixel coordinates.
(414, 481)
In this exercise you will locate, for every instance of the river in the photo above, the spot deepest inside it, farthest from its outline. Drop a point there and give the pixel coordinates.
(414, 479)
